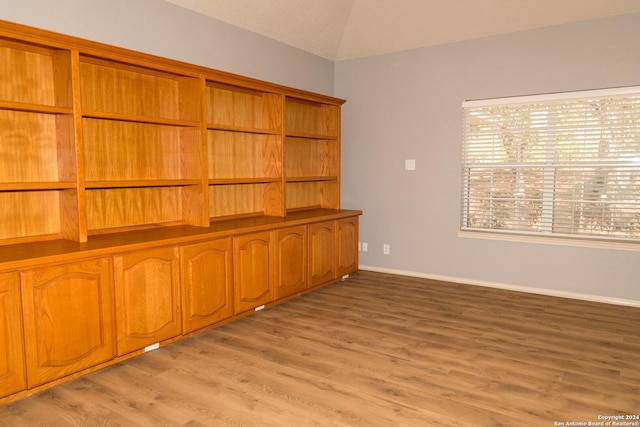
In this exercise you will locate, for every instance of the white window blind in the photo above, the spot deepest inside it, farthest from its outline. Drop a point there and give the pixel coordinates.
(561, 164)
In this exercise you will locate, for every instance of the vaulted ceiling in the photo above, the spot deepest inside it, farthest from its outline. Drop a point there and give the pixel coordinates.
(346, 29)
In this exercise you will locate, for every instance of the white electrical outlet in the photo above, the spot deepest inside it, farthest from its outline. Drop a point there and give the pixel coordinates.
(386, 249)
(365, 247)
(410, 165)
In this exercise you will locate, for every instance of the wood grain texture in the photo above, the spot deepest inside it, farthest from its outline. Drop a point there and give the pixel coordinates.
(68, 318)
(312, 194)
(311, 158)
(241, 155)
(307, 119)
(147, 287)
(207, 283)
(242, 108)
(291, 261)
(13, 375)
(375, 350)
(26, 73)
(118, 88)
(95, 139)
(253, 271)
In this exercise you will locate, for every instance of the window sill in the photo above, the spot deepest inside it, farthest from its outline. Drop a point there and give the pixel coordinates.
(552, 240)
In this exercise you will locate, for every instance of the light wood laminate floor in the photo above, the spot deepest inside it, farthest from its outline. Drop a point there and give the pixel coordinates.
(375, 350)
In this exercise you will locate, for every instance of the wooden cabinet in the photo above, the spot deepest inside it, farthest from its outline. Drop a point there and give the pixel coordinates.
(13, 376)
(147, 287)
(346, 246)
(68, 318)
(253, 270)
(321, 253)
(143, 198)
(290, 261)
(207, 283)
(333, 249)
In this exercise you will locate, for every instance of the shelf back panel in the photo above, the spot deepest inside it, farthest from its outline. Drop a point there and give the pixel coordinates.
(126, 90)
(312, 118)
(244, 155)
(314, 194)
(128, 207)
(238, 107)
(27, 214)
(120, 151)
(26, 74)
(28, 147)
(311, 157)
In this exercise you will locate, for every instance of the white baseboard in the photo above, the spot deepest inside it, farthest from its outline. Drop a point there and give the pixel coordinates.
(549, 292)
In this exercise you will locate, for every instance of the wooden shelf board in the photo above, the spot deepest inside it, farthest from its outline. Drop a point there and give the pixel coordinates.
(233, 181)
(293, 134)
(138, 119)
(97, 185)
(129, 228)
(311, 178)
(36, 186)
(34, 108)
(232, 128)
(215, 219)
(291, 211)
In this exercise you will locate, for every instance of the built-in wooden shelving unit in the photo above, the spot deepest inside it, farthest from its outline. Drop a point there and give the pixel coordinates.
(143, 200)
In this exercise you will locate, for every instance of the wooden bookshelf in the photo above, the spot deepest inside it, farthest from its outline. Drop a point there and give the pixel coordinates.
(144, 199)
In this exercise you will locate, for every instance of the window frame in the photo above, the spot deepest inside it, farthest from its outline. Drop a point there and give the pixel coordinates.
(546, 234)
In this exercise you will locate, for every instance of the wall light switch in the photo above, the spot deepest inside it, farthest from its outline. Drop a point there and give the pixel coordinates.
(410, 165)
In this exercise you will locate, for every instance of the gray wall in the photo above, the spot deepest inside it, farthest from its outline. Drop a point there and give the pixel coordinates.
(408, 106)
(161, 28)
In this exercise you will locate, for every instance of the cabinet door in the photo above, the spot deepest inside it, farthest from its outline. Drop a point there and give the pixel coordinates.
(147, 297)
(68, 318)
(347, 245)
(206, 283)
(290, 261)
(12, 370)
(253, 271)
(321, 253)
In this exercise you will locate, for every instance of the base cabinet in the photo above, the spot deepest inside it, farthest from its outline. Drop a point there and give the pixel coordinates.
(346, 246)
(253, 271)
(207, 282)
(290, 261)
(68, 318)
(147, 287)
(321, 253)
(12, 368)
(58, 319)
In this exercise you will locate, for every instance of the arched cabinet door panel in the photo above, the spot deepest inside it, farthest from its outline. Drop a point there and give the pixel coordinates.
(253, 270)
(68, 318)
(347, 245)
(321, 253)
(147, 297)
(207, 281)
(291, 261)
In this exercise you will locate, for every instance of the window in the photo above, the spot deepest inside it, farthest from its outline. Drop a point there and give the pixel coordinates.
(560, 164)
